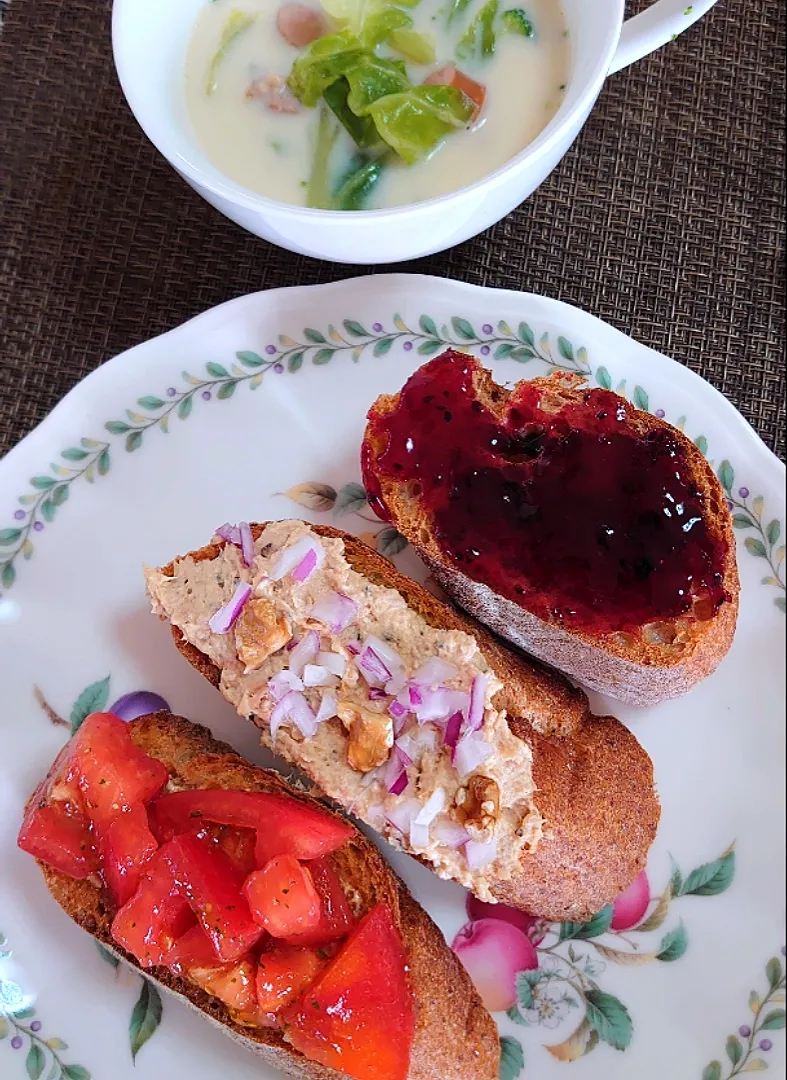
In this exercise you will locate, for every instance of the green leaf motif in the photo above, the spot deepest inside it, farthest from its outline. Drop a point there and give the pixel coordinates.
(185, 407)
(74, 454)
(428, 326)
(773, 972)
(106, 955)
(383, 346)
(314, 336)
(774, 1021)
(756, 547)
(9, 536)
(48, 510)
(773, 532)
(8, 576)
(133, 441)
(36, 1060)
(76, 1072)
(463, 329)
(610, 1018)
(295, 362)
(93, 699)
(565, 348)
(603, 378)
(227, 389)
(354, 329)
(503, 351)
(712, 878)
(390, 542)
(512, 1058)
(595, 927)
(742, 521)
(149, 402)
(117, 427)
(522, 354)
(674, 944)
(43, 483)
(781, 604)
(712, 1071)
(734, 1049)
(426, 348)
(525, 981)
(103, 463)
(60, 494)
(525, 334)
(702, 444)
(145, 1017)
(323, 356)
(4, 1028)
(350, 499)
(217, 371)
(516, 1017)
(56, 1044)
(726, 476)
(250, 359)
(641, 399)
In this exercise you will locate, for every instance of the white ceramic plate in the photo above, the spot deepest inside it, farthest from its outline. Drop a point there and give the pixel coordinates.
(256, 410)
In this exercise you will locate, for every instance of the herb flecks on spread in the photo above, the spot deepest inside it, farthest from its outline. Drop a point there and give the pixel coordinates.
(393, 718)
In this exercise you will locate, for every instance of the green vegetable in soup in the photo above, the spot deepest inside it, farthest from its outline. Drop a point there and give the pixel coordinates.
(517, 22)
(360, 128)
(357, 14)
(373, 79)
(480, 34)
(457, 8)
(378, 27)
(237, 23)
(318, 189)
(358, 183)
(413, 46)
(322, 63)
(415, 121)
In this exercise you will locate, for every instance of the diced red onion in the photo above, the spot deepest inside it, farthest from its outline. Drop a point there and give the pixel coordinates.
(459, 702)
(425, 738)
(414, 696)
(402, 815)
(334, 662)
(353, 647)
(375, 815)
(372, 667)
(294, 559)
(246, 543)
(480, 856)
(419, 836)
(328, 707)
(395, 684)
(304, 652)
(390, 772)
(452, 730)
(335, 610)
(389, 656)
(226, 617)
(434, 704)
(399, 723)
(316, 675)
(406, 748)
(470, 752)
(475, 716)
(295, 708)
(431, 808)
(397, 710)
(399, 785)
(435, 672)
(282, 682)
(377, 694)
(449, 833)
(230, 533)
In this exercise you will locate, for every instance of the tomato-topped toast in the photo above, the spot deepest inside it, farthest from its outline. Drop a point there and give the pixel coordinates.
(254, 902)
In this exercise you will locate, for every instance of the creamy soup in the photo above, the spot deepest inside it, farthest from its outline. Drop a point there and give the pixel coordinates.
(497, 74)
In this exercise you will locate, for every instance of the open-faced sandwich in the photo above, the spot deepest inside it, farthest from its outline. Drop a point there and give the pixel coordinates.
(255, 903)
(590, 533)
(405, 712)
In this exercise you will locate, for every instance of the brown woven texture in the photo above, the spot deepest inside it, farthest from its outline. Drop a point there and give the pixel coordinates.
(666, 219)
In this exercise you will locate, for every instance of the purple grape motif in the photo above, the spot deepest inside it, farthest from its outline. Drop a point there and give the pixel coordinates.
(206, 395)
(766, 1045)
(16, 1042)
(744, 1031)
(487, 328)
(19, 515)
(36, 1025)
(38, 526)
(270, 350)
(279, 369)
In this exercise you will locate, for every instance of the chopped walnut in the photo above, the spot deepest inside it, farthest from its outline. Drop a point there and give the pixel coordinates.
(260, 632)
(478, 807)
(371, 736)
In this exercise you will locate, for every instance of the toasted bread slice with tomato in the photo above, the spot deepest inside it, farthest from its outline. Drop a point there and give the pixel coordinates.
(455, 1036)
(594, 784)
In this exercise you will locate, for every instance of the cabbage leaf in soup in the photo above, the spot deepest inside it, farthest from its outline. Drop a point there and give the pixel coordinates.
(322, 63)
(372, 79)
(415, 121)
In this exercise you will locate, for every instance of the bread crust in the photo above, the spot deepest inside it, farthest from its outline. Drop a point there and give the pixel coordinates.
(455, 1036)
(652, 663)
(595, 784)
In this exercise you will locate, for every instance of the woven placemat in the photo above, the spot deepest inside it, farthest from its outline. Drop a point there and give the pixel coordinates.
(666, 219)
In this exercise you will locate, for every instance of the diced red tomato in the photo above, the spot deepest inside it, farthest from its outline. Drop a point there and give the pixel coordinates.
(358, 1017)
(451, 76)
(113, 774)
(193, 957)
(282, 897)
(237, 844)
(213, 886)
(284, 826)
(156, 916)
(336, 918)
(125, 847)
(283, 974)
(299, 24)
(61, 839)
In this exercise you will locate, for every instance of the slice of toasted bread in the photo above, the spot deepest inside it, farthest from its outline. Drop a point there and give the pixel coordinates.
(640, 663)
(594, 781)
(455, 1036)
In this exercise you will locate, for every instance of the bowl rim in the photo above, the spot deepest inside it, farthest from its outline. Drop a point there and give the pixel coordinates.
(201, 171)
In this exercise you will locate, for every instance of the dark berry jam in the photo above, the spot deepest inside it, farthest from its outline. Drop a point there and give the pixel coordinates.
(568, 513)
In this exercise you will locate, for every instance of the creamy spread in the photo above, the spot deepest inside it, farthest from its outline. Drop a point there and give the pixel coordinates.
(375, 736)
